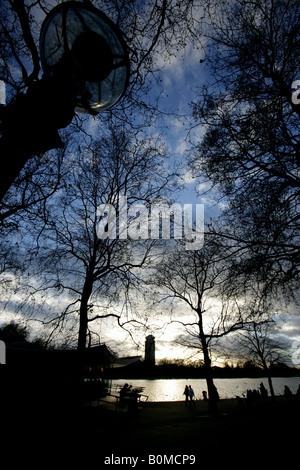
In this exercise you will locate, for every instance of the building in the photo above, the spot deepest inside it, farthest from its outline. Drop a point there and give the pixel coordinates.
(150, 351)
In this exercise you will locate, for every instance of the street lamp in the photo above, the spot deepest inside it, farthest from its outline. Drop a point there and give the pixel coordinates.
(85, 68)
(80, 43)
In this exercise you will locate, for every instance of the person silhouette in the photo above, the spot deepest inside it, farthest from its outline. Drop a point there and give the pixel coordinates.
(191, 395)
(287, 392)
(263, 390)
(186, 393)
(124, 391)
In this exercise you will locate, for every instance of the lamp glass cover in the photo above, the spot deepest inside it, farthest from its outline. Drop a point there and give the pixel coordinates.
(81, 44)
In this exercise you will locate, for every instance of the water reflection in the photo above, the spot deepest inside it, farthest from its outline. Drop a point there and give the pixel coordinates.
(172, 389)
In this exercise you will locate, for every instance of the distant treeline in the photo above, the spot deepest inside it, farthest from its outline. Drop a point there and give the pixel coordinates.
(179, 370)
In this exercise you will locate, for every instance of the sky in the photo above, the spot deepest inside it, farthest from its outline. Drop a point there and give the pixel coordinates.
(180, 79)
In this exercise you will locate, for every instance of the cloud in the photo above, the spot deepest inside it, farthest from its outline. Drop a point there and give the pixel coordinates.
(288, 326)
(181, 75)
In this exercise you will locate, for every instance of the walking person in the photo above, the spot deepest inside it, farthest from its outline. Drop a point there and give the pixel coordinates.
(191, 395)
(186, 393)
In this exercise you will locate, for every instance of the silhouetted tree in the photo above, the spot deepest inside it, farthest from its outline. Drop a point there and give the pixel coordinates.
(259, 343)
(194, 280)
(80, 259)
(249, 149)
(153, 33)
(12, 332)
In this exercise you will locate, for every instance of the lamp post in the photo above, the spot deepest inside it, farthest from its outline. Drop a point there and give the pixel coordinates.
(85, 68)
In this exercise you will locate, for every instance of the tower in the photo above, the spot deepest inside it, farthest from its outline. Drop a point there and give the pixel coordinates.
(150, 351)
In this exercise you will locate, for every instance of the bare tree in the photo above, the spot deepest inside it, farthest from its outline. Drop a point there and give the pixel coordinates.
(37, 108)
(194, 280)
(154, 33)
(250, 145)
(259, 343)
(79, 257)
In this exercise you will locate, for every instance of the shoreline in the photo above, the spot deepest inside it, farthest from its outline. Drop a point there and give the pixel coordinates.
(159, 410)
(171, 389)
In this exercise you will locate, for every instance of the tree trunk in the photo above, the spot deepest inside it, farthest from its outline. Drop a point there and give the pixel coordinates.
(212, 391)
(268, 374)
(83, 312)
(270, 383)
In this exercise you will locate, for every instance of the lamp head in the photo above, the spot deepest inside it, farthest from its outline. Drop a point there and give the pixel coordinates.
(79, 42)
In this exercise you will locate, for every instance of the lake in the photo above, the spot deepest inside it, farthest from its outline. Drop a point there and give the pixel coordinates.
(172, 389)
